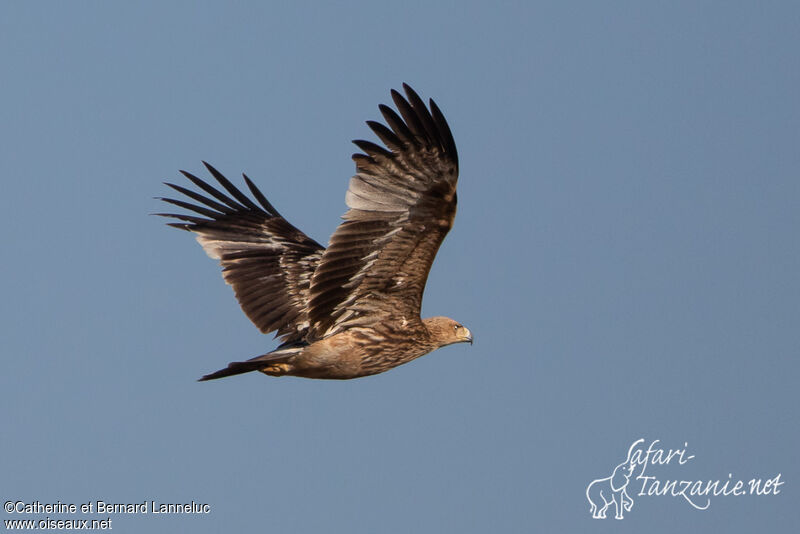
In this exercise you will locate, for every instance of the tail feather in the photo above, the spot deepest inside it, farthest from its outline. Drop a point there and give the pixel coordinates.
(281, 354)
(234, 368)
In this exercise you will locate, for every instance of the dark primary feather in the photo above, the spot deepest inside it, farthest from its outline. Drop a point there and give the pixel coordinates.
(268, 261)
(402, 203)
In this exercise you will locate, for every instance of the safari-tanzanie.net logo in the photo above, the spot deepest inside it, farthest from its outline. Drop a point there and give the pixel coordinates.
(631, 478)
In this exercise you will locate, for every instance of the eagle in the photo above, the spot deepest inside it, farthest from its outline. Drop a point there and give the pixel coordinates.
(351, 309)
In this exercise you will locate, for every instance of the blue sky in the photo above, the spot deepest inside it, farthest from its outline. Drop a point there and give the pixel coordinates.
(625, 253)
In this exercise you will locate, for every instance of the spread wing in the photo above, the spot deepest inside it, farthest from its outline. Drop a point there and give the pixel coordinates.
(268, 261)
(402, 204)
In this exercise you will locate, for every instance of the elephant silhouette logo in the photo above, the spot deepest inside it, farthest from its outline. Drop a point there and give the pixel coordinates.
(603, 492)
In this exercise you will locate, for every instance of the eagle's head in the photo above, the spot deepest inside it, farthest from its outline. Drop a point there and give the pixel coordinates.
(446, 331)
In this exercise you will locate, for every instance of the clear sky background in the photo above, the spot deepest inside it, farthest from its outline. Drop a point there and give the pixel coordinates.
(626, 254)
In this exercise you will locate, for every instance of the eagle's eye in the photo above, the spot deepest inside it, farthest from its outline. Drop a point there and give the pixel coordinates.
(456, 326)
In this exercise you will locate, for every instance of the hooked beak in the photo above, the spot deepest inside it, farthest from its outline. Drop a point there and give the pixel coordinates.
(467, 335)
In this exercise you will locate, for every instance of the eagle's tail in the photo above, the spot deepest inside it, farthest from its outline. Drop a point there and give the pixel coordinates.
(278, 356)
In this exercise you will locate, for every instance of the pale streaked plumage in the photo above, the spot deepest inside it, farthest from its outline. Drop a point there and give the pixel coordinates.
(352, 309)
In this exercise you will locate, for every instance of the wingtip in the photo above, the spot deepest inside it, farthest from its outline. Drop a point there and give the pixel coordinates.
(409, 90)
(210, 167)
(396, 95)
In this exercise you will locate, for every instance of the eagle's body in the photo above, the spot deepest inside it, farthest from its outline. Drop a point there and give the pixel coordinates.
(360, 351)
(352, 309)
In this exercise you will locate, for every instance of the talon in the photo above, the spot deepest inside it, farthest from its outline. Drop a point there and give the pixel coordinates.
(276, 369)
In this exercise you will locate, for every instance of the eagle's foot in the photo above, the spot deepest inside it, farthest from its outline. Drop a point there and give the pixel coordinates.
(276, 369)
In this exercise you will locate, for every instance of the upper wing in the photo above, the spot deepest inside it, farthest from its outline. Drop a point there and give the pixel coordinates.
(402, 204)
(268, 261)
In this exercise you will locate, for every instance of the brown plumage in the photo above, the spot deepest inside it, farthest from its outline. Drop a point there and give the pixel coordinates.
(352, 309)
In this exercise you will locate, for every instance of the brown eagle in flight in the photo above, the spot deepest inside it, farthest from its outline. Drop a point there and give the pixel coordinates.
(352, 309)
